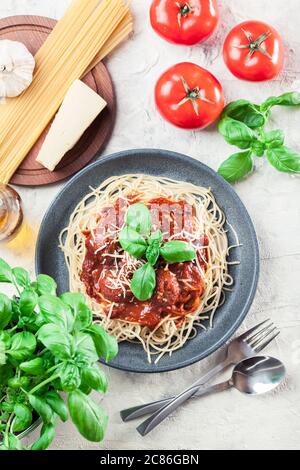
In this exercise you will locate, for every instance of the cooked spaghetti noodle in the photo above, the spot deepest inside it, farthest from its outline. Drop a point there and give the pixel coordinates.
(82, 245)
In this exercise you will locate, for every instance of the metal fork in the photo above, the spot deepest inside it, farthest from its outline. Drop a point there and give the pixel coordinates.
(248, 344)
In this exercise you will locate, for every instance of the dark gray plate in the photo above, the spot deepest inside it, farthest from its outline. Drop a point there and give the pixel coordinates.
(50, 260)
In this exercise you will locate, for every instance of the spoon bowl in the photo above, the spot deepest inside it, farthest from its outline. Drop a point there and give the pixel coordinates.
(258, 375)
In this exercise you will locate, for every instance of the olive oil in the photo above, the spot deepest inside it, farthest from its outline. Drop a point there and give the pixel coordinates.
(11, 215)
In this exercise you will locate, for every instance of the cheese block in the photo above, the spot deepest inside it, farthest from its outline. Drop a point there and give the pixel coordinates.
(79, 109)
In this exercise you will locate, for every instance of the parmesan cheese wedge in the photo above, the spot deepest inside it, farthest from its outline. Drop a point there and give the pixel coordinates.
(79, 109)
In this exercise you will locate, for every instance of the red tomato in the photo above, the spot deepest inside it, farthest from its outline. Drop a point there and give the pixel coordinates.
(183, 22)
(189, 96)
(254, 51)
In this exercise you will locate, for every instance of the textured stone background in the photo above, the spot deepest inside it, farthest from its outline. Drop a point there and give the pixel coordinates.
(230, 420)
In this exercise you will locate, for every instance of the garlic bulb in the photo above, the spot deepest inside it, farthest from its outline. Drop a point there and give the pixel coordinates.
(16, 68)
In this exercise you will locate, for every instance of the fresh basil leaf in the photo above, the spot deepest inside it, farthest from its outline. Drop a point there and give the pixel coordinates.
(45, 285)
(6, 274)
(88, 417)
(152, 254)
(46, 437)
(22, 277)
(84, 346)
(22, 346)
(284, 159)
(155, 238)
(236, 167)
(177, 251)
(33, 367)
(54, 310)
(56, 340)
(2, 353)
(258, 148)
(274, 138)
(287, 99)
(132, 242)
(13, 442)
(57, 404)
(5, 336)
(5, 311)
(138, 218)
(28, 302)
(143, 282)
(106, 345)
(94, 378)
(73, 299)
(236, 133)
(23, 418)
(42, 408)
(83, 317)
(70, 377)
(246, 112)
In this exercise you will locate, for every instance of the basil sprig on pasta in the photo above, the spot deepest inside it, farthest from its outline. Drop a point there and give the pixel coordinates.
(136, 238)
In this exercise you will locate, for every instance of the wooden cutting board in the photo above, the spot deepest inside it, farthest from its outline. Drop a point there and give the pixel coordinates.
(33, 31)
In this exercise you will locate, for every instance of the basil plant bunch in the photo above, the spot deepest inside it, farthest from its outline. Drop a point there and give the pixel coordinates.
(48, 345)
(136, 238)
(243, 124)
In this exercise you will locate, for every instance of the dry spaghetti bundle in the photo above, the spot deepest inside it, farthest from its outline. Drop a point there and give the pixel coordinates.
(89, 30)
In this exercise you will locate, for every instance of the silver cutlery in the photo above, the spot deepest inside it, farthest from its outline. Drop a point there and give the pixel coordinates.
(253, 376)
(250, 343)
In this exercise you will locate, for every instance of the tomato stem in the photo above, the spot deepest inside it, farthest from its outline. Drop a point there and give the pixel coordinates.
(184, 10)
(193, 95)
(255, 45)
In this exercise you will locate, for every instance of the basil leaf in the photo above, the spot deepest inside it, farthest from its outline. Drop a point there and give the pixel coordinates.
(5, 311)
(57, 404)
(106, 345)
(70, 377)
(155, 238)
(28, 302)
(83, 317)
(143, 282)
(152, 254)
(73, 299)
(284, 159)
(22, 346)
(236, 133)
(2, 353)
(13, 443)
(88, 417)
(85, 348)
(177, 251)
(46, 437)
(274, 138)
(6, 274)
(94, 378)
(45, 285)
(56, 340)
(132, 242)
(23, 418)
(54, 310)
(33, 367)
(21, 276)
(287, 99)
(236, 167)
(42, 408)
(246, 112)
(258, 148)
(138, 218)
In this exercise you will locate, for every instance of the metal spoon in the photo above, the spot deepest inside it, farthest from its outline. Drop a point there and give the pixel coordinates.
(254, 376)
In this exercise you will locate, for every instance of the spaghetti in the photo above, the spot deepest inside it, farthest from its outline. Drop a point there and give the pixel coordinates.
(88, 31)
(186, 293)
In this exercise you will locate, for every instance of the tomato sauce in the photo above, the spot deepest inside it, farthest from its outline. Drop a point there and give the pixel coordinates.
(179, 286)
